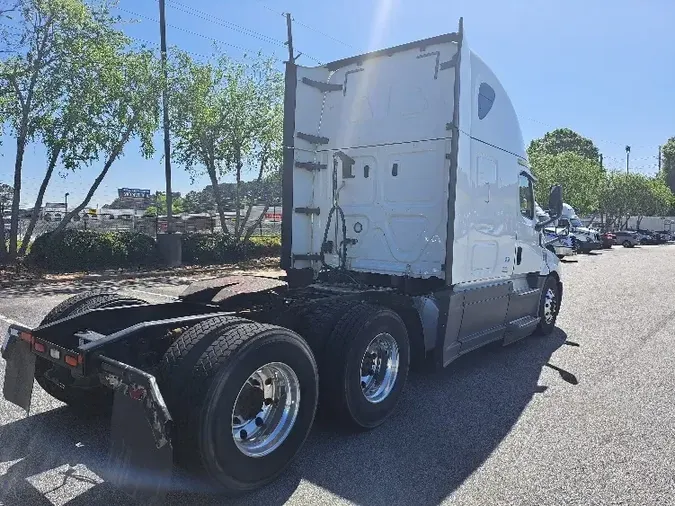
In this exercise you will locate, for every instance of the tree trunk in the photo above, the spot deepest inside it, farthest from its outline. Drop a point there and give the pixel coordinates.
(3, 245)
(110, 160)
(255, 224)
(16, 200)
(240, 229)
(639, 221)
(211, 169)
(38, 201)
(237, 202)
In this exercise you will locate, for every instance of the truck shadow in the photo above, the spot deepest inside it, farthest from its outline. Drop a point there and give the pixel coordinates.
(445, 427)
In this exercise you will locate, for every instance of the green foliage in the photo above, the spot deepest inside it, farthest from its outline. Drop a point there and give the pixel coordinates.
(623, 195)
(227, 116)
(580, 178)
(668, 163)
(564, 140)
(84, 250)
(177, 205)
(218, 248)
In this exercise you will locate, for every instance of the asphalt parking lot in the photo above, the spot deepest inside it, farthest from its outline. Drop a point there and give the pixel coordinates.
(582, 417)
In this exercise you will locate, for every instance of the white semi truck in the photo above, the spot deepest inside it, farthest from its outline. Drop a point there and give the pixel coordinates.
(560, 242)
(409, 235)
(587, 239)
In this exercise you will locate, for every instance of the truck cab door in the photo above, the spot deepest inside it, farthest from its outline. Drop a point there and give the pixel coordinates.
(528, 248)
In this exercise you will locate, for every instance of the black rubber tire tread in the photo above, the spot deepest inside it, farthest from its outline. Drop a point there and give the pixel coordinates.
(220, 354)
(332, 380)
(97, 400)
(544, 328)
(316, 322)
(216, 355)
(68, 306)
(175, 369)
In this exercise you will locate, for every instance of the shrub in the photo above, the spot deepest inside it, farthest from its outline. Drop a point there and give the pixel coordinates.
(75, 250)
(265, 246)
(206, 249)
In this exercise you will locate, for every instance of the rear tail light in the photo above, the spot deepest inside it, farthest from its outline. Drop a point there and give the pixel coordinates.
(39, 347)
(70, 360)
(26, 336)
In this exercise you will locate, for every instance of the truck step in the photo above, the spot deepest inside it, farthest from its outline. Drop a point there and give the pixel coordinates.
(522, 327)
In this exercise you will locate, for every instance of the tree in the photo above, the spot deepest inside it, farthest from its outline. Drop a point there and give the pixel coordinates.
(624, 195)
(131, 83)
(564, 140)
(580, 178)
(71, 131)
(668, 163)
(159, 207)
(45, 36)
(227, 117)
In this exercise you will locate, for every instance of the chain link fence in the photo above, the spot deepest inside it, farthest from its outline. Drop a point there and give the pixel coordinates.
(269, 226)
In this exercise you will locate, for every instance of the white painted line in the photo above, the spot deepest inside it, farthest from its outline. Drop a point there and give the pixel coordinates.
(149, 293)
(10, 321)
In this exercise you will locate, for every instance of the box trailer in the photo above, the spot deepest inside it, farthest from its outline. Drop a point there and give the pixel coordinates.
(409, 237)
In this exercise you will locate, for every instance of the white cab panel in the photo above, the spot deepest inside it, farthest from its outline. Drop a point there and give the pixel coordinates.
(487, 208)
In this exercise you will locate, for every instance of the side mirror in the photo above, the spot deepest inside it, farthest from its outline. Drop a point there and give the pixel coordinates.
(555, 201)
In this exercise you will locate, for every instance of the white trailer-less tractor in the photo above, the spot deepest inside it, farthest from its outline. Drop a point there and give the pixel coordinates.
(409, 237)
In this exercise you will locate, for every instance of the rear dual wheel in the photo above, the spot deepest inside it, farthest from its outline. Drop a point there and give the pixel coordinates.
(245, 405)
(365, 366)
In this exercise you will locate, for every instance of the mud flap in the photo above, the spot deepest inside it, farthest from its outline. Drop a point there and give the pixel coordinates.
(141, 455)
(19, 370)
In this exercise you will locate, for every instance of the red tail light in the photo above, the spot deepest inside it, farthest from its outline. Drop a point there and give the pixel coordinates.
(39, 347)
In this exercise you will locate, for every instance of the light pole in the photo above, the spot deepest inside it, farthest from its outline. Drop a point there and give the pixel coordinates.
(627, 157)
(66, 200)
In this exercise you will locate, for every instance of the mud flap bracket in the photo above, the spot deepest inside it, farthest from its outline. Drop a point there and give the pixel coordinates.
(141, 454)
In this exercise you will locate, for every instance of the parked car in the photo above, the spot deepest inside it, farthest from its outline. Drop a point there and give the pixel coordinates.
(627, 238)
(649, 237)
(666, 235)
(608, 240)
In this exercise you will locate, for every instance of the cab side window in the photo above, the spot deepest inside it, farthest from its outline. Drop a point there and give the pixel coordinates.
(526, 196)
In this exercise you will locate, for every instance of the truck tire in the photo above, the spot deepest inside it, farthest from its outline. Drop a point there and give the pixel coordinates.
(316, 322)
(261, 381)
(90, 400)
(369, 353)
(549, 306)
(175, 369)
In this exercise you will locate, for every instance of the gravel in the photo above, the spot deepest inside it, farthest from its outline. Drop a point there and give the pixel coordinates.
(499, 426)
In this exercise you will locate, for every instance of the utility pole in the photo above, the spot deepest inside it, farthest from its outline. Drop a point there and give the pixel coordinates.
(289, 43)
(601, 168)
(165, 110)
(627, 158)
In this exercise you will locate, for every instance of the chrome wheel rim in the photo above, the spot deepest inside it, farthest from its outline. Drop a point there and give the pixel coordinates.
(550, 306)
(265, 409)
(379, 368)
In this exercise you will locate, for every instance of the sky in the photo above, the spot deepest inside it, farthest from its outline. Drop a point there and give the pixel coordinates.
(605, 69)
